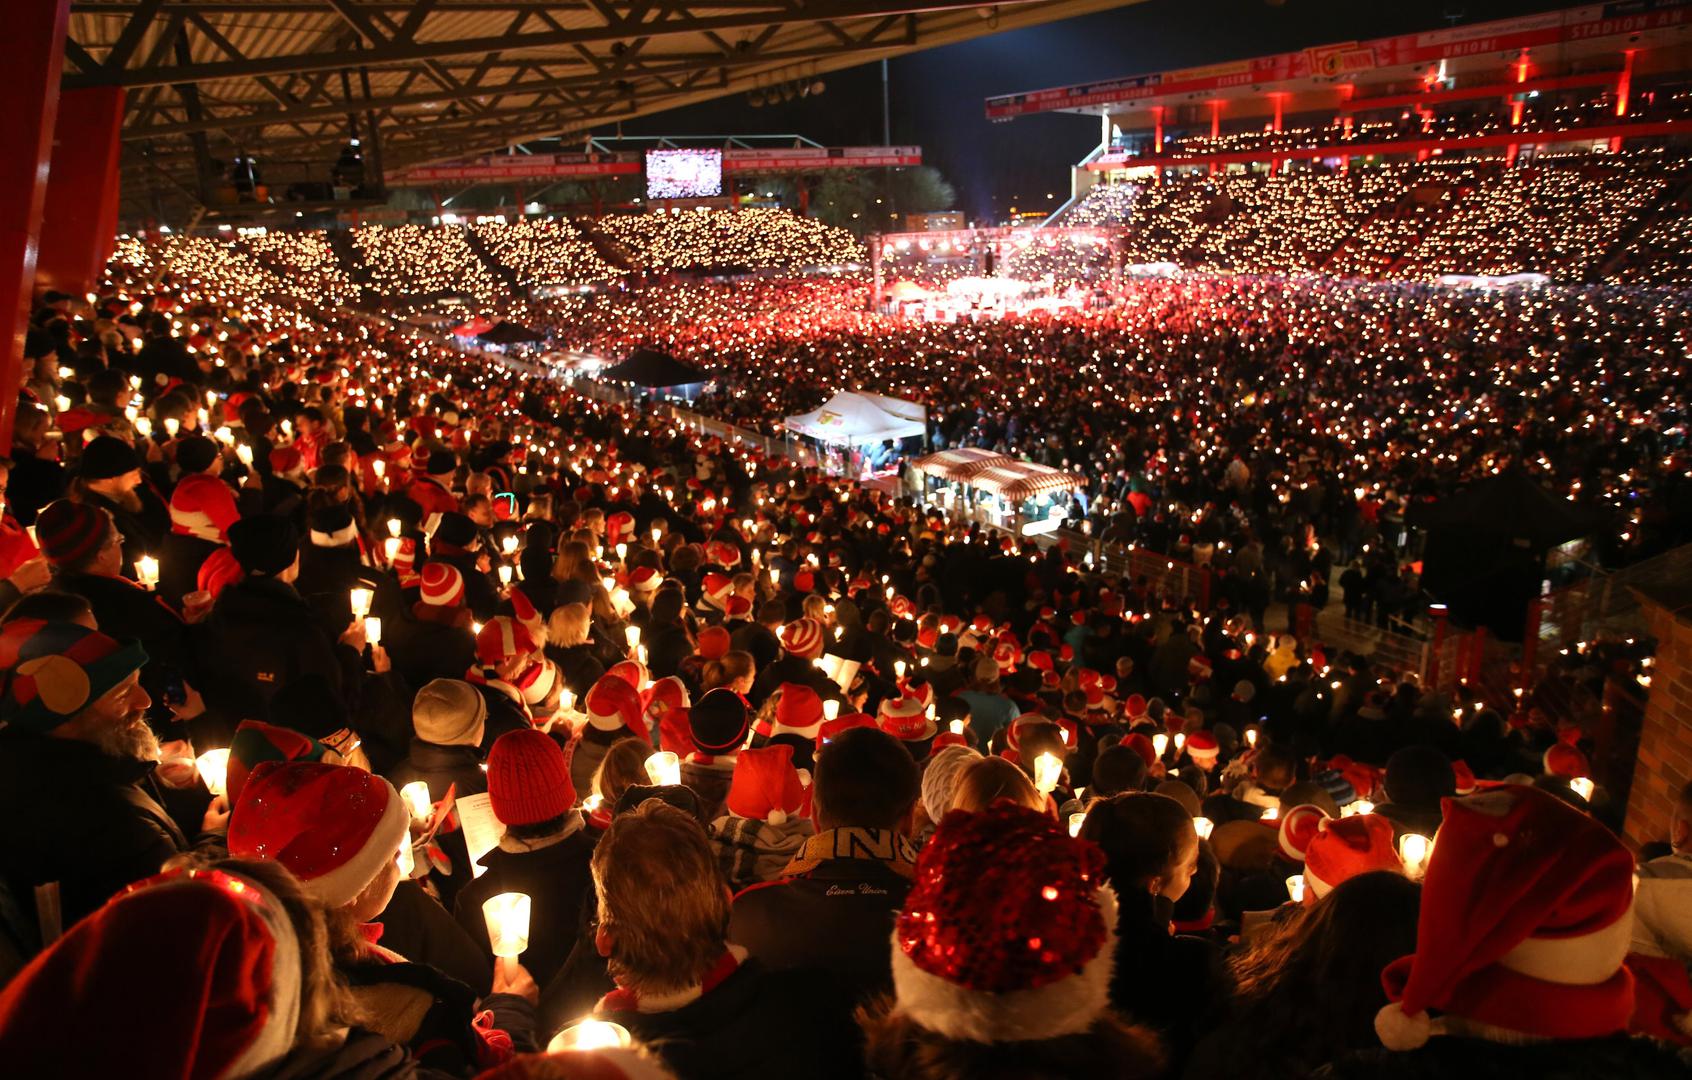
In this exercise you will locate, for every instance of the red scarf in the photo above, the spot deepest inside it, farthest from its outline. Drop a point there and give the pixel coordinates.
(626, 1000)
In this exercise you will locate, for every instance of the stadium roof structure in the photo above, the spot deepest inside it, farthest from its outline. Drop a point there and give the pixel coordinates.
(1582, 46)
(444, 79)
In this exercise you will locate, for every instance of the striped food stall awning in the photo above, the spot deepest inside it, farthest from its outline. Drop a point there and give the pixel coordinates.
(960, 464)
(1021, 480)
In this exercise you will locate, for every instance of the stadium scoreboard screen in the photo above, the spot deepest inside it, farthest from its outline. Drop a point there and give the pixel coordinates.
(684, 174)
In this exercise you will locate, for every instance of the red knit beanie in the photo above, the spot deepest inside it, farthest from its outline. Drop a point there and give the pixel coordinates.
(528, 778)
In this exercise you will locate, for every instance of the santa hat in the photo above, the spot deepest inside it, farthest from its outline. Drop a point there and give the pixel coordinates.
(799, 711)
(1006, 655)
(333, 826)
(832, 728)
(766, 786)
(1198, 668)
(737, 607)
(203, 506)
(528, 778)
(218, 572)
(713, 642)
(525, 612)
(632, 672)
(619, 527)
(613, 704)
(905, 719)
(1201, 746)
(1564, 758)
(644, 579)
(715, 588)
(1335, 850)
(256, 741)
(722, 553)
(1008, 932)
(1134, 706)
(1464, 776)
(803, 638)
(1526, 917)
(501, 639)
(443, 585)
(221, 995)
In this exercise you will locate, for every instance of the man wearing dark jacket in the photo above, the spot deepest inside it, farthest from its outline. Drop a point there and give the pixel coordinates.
(109, 477)
(833, 906)
(683, 989)
(262, 635)
(78, 802)
(543, 854)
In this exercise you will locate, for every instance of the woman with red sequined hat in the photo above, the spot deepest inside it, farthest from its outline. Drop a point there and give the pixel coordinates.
(1002, 960)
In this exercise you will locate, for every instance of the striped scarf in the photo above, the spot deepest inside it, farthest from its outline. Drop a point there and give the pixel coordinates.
(878, 845)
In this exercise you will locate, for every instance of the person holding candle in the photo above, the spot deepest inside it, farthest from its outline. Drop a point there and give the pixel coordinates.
(432, 489)
(339, 830)
(508, 664)
(1175, 983)
(684, 986)
(543, 852)
(835, 900)
(448, 719)
(793, 717)
(436, 641)
(202, 507)
(262, 634)
(78, 796)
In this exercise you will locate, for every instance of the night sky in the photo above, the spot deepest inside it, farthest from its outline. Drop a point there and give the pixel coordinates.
(938, 95)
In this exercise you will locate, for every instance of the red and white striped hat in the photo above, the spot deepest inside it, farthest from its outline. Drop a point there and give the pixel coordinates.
(502, 638)
(803, 638)
(905, 718)
(443, 585)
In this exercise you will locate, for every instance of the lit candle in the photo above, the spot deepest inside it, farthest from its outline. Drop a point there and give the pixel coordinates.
(504, 574)
(957, 727)
(1583, 787)
(393, 526)
(373, 630)
(831, 709)
(406, 861)
(631, 634)
(567, 700)
(1048, 769)
(1160, 743)
(898, 669)
(172, 426)
(1361, 806)
(664, 768)
(1270, 813)
(416, 796)
(1180, 740)
(1251, 737)
(361, 598)
(593, 802)
(589, 1035)
(507, 915)
(147, 570)
(390, 548)
(1204, 827)
(509, 544)
(143, 427)
(1075, 821)
(1413, 851)
(213, 766)
(378, 467)
(1295, 888)
(245, 453)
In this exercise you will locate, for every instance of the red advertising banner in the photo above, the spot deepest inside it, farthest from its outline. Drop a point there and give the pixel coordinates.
(1594, 21)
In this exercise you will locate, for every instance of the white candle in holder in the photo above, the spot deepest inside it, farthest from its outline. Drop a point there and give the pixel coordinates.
(507, 915)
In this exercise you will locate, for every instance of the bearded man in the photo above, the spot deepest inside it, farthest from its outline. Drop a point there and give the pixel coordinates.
(78, 801)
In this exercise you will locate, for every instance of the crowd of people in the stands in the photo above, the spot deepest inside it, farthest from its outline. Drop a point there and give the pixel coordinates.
(371, 709)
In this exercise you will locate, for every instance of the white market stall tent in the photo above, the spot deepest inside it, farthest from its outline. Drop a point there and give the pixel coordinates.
(850, 418)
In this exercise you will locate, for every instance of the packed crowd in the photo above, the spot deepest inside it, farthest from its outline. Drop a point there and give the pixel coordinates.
(544, 251)
(1573, 217)
(369, 711)
(727, 240)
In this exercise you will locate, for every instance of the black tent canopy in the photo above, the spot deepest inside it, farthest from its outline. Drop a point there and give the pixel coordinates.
(510, 333)
(654, 370)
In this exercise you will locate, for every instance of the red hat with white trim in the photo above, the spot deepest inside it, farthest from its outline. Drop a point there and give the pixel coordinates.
(333, 826)
(1335, 850)
(632, 672)
(203, 506)
(644, 579)
(906, 719)
(766, 786)
(1008, 933)
(501, 639)
(1006, 655)
(1564, 758)
(715, 589)
(1526, 917)
(443, 585)
(619, 527)
(613, 703)
(737, 607)
(722, 553)
(803, 638)
(222, 994)
(1201, 746)
(799, 711)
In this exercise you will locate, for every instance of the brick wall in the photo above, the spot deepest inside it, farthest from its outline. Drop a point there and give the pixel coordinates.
(1665, 742)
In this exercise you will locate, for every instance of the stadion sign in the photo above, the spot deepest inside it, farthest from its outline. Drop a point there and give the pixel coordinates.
(509, 168)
